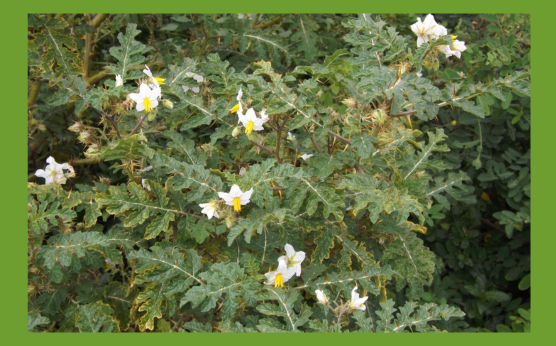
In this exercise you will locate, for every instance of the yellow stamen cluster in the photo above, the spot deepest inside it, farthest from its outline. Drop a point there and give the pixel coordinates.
(453, 37)
(279, 281)
(249, 128)
(148, 104)
(234, 108)
(160, 80)
(237, 204)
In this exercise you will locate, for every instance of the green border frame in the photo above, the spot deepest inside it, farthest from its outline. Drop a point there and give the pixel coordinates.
(14, 63)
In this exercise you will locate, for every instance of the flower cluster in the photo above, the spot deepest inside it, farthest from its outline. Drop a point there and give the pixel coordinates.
(287, 266)
(250, 120)
(428, 29)
(356, 303)
(53, 173)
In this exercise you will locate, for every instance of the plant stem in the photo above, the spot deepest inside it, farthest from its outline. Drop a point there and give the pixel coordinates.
(267, 150)
(269, 22)
(402, 114)
(316, 144)
(34, 93)
(138, 125)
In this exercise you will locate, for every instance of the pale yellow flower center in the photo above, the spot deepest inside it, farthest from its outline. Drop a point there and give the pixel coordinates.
(249, 128)
(148, 104)
(237, 204)
(279, 281)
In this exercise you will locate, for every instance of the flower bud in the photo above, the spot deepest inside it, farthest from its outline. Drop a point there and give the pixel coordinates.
(230, 222)
(379, 116)
(85, 137)
(93, 151)
(350, 102)
(168, 104)
(236, 131)
(323, 299)
(41, 127)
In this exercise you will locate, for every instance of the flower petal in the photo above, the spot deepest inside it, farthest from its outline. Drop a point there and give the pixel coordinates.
(144, 90)
(244, 199)
(250, 115)
(226, 197)
(235, 191)
(135, 97)
(40, 173)
(289, 250)
(299, 256)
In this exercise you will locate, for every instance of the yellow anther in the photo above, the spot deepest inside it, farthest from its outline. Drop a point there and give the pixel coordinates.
(148, 104)
(234, 108)
(279, 281)
(249, 128)
(237, 204)
(160, 80)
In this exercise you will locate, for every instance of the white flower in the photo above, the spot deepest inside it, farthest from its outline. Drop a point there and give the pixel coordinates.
(323, 299)
(53, 173)
(280, 275)
(236, 198)
(156, 80)
(293, 258)
(425, 30)
(458, 47)
(306, 156)
(290, 137)
(145, 185)
(119, 81)
(242, 171)
(251, 122)
(146, 169)
(357, 303)
(146, 99)
(238, 106)
(210, 209)
(446, 50)
(461, 74)
(244, 16)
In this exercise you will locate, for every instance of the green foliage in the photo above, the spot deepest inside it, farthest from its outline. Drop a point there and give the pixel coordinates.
(377, 159)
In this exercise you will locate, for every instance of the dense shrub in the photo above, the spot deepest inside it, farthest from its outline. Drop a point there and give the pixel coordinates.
(382, 182)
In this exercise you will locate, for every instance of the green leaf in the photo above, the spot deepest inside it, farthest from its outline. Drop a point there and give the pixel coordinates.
(61, 53)
(128, 53)
(135, 204)
(364, 145)
(35, 319)
(525, 283)
(127, 149)
(150, 301)
(93, 317)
